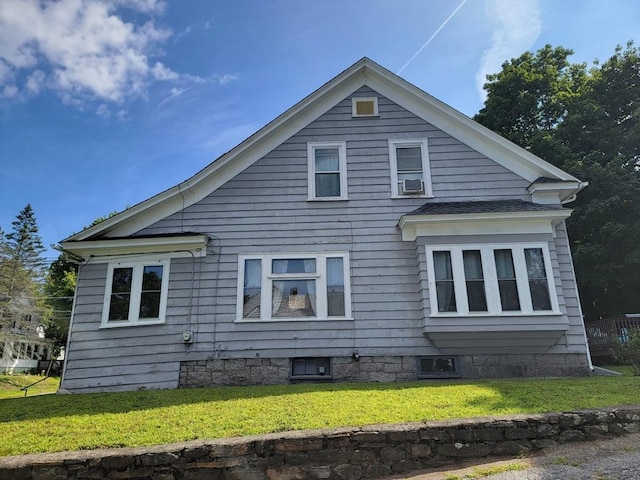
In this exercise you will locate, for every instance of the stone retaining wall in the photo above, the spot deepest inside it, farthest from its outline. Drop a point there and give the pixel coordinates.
(273, 371)
(338, 454)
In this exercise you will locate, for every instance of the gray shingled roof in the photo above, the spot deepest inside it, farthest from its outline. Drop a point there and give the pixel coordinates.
(487, 206)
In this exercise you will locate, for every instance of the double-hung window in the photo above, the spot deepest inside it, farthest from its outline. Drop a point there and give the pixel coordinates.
(484, 279)
(136, 293)
(327, 165)
(410, 172)
(293, 287)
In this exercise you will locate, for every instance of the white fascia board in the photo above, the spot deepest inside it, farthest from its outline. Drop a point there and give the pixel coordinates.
(461, 127)
(195, 244)
(233, 162)
(555, 192)
(502, 223)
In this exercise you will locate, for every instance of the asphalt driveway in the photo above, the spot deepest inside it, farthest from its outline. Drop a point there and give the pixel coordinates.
(611, 459)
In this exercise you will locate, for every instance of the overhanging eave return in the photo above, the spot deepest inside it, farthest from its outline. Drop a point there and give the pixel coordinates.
(195, 245)
(413, 226)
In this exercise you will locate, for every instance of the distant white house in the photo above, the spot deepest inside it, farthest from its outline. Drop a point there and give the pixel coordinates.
(22, 340)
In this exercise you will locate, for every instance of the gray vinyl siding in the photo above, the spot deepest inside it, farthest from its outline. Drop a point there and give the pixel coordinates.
(265, 210)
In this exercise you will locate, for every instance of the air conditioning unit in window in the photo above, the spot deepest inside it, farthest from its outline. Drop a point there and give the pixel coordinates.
(411, 186)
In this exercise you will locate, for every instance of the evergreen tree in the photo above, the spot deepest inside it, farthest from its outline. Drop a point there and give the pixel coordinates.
(21, 267)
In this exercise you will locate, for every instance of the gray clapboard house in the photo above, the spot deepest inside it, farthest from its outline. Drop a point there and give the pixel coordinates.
(369, 233)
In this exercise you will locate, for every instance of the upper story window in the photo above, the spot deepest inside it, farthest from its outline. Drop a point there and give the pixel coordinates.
(136, 293)
(364, 107)
(410, 172)
(491, 280)
(327, 171)
(294, 287)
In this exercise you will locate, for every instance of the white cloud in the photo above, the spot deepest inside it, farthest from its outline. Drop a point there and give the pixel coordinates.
(517, 26)
(35, 82)
(226, 78)
(10, 91)
(80, 48)
(103, 111)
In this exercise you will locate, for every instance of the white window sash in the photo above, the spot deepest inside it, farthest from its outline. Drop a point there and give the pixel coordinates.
(311, 168)
(267, 279)
(492, 291)
(426, 168)
(136, 293)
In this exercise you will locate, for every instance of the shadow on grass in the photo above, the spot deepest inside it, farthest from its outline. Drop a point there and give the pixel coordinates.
(523, 395)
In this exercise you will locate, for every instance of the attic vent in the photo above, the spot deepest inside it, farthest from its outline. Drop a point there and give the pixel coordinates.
(411, 186)
(364, 107)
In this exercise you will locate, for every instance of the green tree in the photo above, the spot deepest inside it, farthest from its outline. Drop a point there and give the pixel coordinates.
(585, 122)
(21, 264)
(59, 288)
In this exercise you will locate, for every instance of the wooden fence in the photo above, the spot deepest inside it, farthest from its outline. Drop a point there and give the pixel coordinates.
(601, 332)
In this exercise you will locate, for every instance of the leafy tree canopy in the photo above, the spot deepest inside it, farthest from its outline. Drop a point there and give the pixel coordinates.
(585, 121)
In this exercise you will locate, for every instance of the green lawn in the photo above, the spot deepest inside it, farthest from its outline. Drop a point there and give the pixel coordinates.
(10, 385)
(49, 423)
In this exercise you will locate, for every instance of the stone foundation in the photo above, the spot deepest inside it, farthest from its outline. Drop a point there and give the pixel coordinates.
(337, 454)
(272, 371)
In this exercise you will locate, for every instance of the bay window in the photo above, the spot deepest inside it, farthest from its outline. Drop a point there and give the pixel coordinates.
(490, 279)
(293, 287)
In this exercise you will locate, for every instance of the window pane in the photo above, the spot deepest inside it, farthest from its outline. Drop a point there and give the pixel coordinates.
(252, 287)
(120, 294)
(474, 280)
(150, 305)
(540, 294)
(122, 280)
(327, 184)
(327, 160)
(537, 274)
(152, 278)
(119, 306)
(294, 298)
(151, 289)
(294, 265)
(409, 159)
(335, 287)
(507, 280)
(444, 282)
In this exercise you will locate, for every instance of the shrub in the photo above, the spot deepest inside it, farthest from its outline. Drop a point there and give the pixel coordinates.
(627, 349)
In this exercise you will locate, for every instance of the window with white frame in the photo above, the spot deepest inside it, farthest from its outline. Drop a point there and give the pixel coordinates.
(410, 172)
(327, 171)
(136, 293)
(491, 279)
(293, 287)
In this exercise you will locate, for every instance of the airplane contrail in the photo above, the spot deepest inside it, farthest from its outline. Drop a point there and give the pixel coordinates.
(432, 37)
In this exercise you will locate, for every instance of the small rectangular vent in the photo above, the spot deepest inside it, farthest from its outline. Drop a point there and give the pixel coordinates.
(310, 367)
(364, 107)
(412, 186)
(438, 367)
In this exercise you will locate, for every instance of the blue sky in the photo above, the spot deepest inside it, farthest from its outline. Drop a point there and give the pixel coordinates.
(106, 103)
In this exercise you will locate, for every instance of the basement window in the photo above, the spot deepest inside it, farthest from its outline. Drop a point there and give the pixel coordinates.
(438, 367)
(311, 368)
(364, 107)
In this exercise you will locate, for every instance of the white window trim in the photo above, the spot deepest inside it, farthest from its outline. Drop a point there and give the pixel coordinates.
(311, 181)
(426, 168)
(136, 291)
(321, 286)
(492, 292)
(354, 100)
